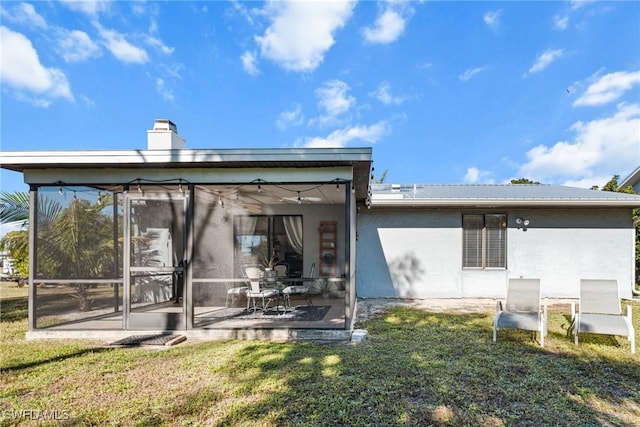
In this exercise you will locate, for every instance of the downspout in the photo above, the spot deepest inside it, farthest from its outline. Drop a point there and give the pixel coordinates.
(634, 291)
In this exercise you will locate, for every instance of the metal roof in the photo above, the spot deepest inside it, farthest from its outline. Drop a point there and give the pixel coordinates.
(633, 179)
(436, 195)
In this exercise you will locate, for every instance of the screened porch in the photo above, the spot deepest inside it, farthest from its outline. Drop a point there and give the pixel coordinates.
(173, 255)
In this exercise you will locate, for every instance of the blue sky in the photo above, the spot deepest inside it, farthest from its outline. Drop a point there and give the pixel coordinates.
(444, 92)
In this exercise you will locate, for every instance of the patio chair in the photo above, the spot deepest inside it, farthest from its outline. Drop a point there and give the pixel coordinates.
(522, 309)
(281, 269)
(302, 289)
(255, 274)
(600, 311)
(233, 292)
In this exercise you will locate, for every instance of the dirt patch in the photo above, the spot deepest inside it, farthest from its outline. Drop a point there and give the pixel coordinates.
(373, 307)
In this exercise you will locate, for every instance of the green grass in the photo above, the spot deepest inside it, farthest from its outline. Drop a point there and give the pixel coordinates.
(415, 368)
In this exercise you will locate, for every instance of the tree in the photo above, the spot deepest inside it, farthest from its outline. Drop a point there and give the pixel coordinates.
(612, 185)
(75, 242)
(16, 243)
(381, 179)
(14, 209)
(523, 181)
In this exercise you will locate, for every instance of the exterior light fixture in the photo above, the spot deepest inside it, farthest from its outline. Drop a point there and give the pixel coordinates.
(522, 223)
(299, 199)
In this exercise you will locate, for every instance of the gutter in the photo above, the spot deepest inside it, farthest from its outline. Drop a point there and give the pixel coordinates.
(441, 203)
(634, 291)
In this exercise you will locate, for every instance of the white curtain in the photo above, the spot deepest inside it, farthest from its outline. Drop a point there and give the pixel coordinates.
(246, 225)
(293, 228)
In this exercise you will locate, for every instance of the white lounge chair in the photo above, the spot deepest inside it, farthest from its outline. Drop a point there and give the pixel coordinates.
(522, 309)
(600, 311)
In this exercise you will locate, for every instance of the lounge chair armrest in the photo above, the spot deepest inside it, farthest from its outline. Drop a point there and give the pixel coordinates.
(629, 313)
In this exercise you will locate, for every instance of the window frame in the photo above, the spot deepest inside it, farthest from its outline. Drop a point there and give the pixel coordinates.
(270, 243)
(490, 252)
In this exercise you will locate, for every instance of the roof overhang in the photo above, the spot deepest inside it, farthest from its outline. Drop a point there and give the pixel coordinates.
(232, 158)
(357, 158)
(632, 180)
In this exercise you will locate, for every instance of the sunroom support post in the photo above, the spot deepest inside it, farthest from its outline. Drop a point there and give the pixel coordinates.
(116, 285)
(33, 231)
(189, 242)
(349, 228)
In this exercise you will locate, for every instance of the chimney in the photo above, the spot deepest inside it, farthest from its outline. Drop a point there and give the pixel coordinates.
(164, 136)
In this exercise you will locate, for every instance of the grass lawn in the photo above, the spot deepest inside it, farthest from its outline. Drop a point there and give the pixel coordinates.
(415, 368)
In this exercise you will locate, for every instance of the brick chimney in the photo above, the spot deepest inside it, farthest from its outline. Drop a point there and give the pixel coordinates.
(164, 136)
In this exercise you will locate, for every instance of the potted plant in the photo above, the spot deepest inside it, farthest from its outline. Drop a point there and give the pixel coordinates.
(268, 264)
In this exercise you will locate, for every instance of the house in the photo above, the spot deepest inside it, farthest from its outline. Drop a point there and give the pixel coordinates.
(460, 241)
(633, 180)
(159, 240)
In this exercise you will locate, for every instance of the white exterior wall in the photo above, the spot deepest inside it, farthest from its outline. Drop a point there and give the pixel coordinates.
(417, 253)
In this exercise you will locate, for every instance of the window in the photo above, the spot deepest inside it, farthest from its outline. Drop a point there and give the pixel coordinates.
(278, 236)
(484, 241)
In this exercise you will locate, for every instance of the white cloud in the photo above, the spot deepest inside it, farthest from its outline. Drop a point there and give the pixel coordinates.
(560, 22)
(25, 14)
(388, 27)
(88, 7)
(468, 74)
(122, 49)
(334, 100)
(301, 33)
(492, 19)
(22, 71)
(383, 94)
(242, 11)
(608, 88)
(76, 46)
(343, 137)
(545, 59)
(600, 149)
(476, 176)
(158, 44)
(249, 63)
(162, 89)
(577, 4)
(287, 119)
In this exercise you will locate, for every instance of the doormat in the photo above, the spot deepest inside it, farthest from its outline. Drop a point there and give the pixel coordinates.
(312, 313)
(138, 340)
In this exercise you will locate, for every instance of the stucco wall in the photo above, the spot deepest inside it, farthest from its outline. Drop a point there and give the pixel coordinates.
(417, 253)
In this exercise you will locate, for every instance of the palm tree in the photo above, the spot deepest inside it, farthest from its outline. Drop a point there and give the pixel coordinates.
(75, 242)
(14, 209)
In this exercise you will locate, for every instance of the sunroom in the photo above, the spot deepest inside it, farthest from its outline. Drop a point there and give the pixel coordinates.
(162, 239)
